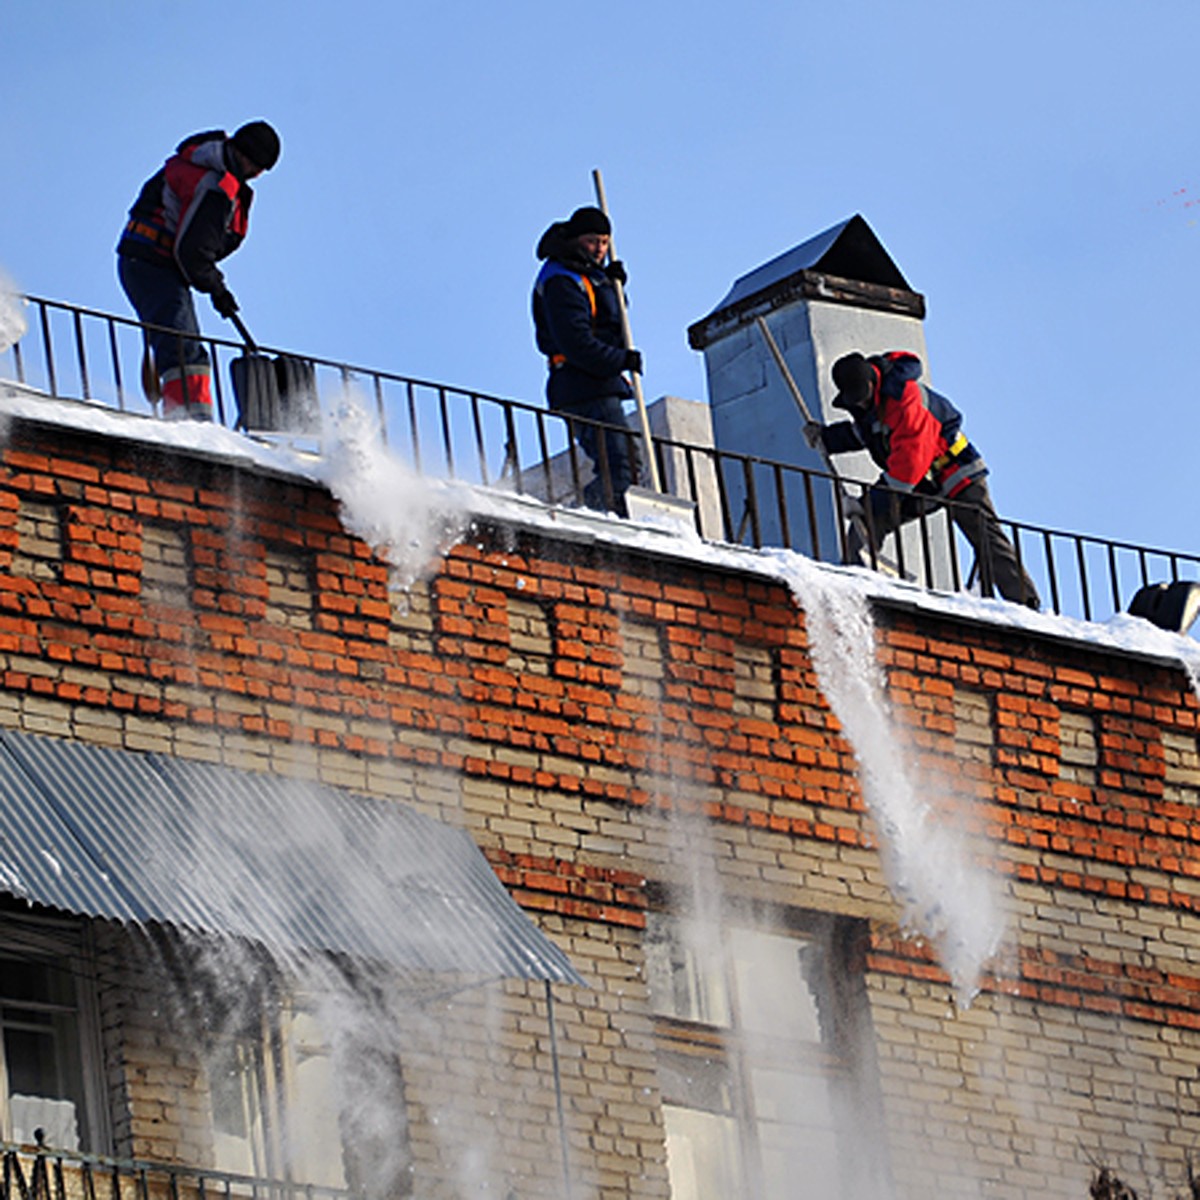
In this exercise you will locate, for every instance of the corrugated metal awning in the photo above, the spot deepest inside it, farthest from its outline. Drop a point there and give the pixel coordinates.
(294, 865)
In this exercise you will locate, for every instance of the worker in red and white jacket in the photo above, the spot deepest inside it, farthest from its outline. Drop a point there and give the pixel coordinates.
(190, 215)
(914, 435)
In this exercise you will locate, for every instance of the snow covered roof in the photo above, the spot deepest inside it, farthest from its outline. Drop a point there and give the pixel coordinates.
(407, 517)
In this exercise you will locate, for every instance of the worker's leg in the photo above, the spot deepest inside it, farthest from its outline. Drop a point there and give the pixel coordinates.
(999, 567)
(160, 297)
(612, 451)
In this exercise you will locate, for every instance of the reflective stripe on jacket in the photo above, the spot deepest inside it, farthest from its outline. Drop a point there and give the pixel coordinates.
(577, 325)
(191, 214)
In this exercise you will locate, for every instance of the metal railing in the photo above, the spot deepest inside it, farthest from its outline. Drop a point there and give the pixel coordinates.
(39, 1173)
(469, 436)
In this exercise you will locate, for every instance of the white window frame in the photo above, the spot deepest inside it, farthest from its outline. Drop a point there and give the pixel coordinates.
(274, 1054)
(725, 1053)
(64, 944)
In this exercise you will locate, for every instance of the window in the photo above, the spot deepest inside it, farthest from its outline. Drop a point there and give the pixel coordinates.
(49, 1054)
(274, 1102)
(237, 1082)
(752, 1073)
(306, 1086)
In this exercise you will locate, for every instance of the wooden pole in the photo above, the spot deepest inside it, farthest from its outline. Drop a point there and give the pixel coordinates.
(793, 387)
(856, 538)
(627, 333)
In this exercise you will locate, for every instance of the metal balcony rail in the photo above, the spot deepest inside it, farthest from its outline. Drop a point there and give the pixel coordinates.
(456, 433)
(40, 1173)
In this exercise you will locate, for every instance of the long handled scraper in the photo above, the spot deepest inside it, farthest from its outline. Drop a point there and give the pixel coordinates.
(641, 501)
(857, 542)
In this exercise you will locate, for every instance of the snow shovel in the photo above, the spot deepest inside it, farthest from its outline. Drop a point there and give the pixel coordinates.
(1170, 606)
(272, 394)
(857, 551)
(255, 384)
(643, 502)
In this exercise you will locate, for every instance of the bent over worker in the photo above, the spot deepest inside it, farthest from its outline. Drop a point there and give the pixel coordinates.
(915, 435)
(189, 215)
(577, 324)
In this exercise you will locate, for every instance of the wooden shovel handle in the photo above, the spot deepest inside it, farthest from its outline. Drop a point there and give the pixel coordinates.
(627, 333)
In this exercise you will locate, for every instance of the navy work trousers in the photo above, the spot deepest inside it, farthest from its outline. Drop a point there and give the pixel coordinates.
(160, 296)
(611, 451)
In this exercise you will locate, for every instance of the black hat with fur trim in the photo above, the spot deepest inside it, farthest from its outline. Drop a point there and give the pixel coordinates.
(587, 220)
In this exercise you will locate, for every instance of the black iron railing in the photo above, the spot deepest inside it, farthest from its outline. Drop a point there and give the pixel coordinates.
(457, 433)
(39, 1173)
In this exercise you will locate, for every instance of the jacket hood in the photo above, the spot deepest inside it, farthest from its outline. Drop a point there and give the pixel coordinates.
(209, 135)
(207, 150)
(556, 245)
(908, 363)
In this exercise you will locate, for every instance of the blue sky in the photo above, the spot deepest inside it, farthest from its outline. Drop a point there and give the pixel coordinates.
(1030, 166)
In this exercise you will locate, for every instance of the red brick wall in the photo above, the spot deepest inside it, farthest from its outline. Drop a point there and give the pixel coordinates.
(556, 699)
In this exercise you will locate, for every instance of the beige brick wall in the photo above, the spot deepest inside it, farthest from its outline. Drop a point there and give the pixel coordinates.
(1028, 1096)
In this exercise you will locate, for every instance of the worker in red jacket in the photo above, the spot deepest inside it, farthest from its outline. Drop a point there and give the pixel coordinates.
(188, 216)
(914, 435)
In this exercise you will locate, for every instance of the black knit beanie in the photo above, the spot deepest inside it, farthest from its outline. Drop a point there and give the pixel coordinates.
(259, 143)
(855, 381)
(587, 220)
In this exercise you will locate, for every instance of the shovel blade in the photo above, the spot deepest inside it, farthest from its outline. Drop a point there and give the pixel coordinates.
(658, 508)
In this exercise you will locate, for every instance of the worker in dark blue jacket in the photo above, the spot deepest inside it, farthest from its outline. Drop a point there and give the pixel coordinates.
(577, 323)
(915, 436)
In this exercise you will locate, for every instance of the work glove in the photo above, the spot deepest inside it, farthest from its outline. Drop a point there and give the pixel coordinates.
(633, 361)
(814, 435)
(224, 303)
(616, 272)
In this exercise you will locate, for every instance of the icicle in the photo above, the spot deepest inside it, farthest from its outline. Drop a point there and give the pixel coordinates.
(943, 894)
(409, 520)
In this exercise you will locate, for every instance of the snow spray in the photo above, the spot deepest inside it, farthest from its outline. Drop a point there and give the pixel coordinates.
(12, 319)
(364, 1046)
(407, 519)
(943, 894)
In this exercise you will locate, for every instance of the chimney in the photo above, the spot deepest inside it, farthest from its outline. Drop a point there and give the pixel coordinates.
(836, 292)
